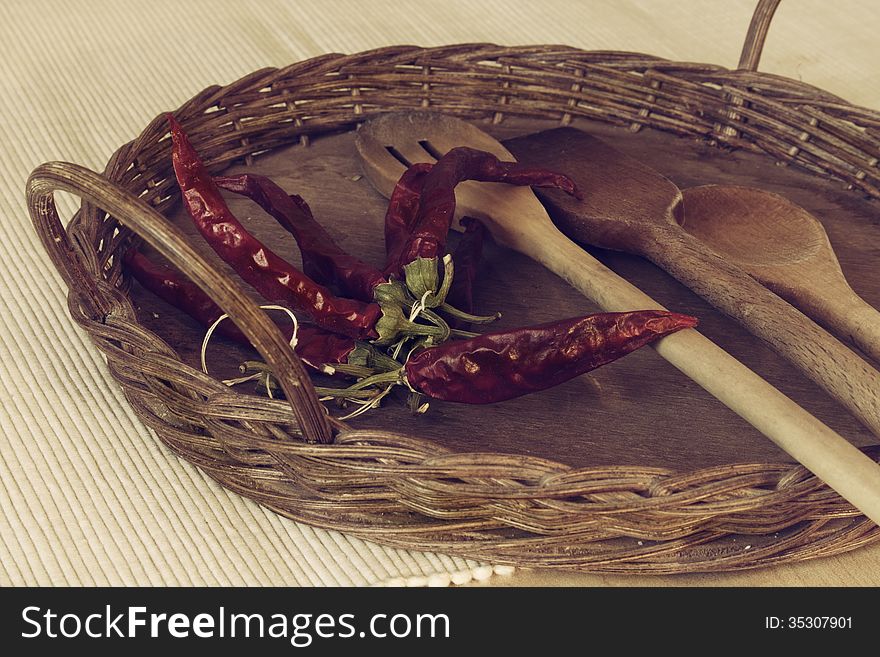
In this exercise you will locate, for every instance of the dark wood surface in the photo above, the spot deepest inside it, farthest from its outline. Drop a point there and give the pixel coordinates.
(636, 411)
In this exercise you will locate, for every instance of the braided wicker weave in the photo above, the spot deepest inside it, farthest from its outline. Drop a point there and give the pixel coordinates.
(400, 489)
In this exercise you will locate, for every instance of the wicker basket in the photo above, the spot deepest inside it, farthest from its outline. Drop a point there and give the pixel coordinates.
(399, 489)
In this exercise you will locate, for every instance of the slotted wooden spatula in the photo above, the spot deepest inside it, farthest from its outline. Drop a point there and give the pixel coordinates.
(518, 220)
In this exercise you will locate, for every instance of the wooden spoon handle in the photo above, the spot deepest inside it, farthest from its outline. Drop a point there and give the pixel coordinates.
(861, 323)
(828, 362)
(842, 311)
(817, 447)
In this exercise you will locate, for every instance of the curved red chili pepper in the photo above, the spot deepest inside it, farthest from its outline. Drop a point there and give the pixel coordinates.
(467, 259)
(403, 206)
(183, 294)
(317, 347)
(437, 202)
(314, 346)
(273, 277)
(497, 366)
(323, 260)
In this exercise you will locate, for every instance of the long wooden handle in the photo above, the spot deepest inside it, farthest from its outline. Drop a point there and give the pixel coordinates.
(824, 359)
(844, 312)
(860, 322)
(817, 447)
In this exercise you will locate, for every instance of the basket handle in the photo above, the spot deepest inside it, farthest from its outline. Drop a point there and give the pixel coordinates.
(758, 28)
(171, 242)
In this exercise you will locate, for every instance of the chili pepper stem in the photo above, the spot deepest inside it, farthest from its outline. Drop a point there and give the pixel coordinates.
(421, 276)
(392, 292)
(378, 379)
(435, 300)
(370, 403)
(367, 357)
(357, 371)
(392, 298)
(241, 379)
(343, 393)
(438, 321)
(393, 325)
(412, 329)
(213, 327)
(382, 361)
(263, 374)
(253, 366)
(452, 311)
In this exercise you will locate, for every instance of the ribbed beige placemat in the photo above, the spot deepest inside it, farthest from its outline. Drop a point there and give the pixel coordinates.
(87, 494)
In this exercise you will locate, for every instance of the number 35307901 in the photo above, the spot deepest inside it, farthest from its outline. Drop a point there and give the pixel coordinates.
(808, 622)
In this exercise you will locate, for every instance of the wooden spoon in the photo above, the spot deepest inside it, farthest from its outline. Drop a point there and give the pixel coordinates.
(630, 207)
(786, 248)
(518, 220)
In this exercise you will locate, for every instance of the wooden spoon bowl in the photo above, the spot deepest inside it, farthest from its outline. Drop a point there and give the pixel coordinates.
(787, 249)
(754, 228)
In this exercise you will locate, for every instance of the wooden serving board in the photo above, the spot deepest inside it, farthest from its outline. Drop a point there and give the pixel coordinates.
(636, 411)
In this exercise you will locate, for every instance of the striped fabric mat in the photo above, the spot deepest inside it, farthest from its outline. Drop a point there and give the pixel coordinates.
(88, 496)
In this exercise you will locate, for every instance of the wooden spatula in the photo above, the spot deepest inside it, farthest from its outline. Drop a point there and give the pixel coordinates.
(630, 207)
(518, 220)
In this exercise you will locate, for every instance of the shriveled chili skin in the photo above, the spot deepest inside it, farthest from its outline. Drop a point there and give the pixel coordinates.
(400, 217)
(466, 259)
(178, 291)
(323, 259)
(316, 347)
(494, 367)
(436, 209)
(274, 278)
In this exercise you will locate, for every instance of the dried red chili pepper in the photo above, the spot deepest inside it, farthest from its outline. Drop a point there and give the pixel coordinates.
(497, 366)
(403, 206)
(173, 288)
(323, 259)
(277, 280)
(316, 347)
(467, 259)
(273, 277)
(436, 210)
